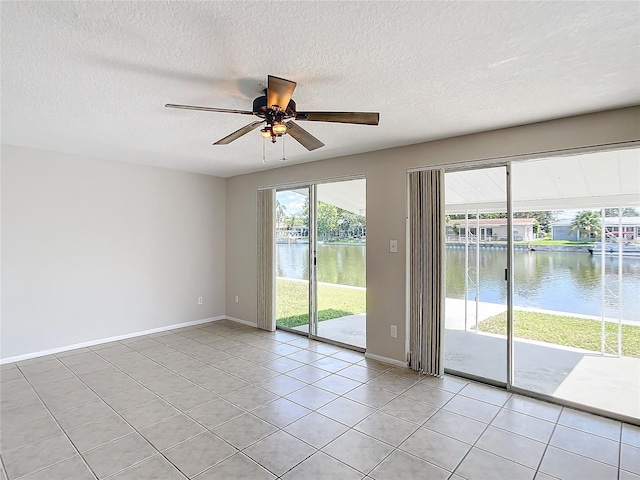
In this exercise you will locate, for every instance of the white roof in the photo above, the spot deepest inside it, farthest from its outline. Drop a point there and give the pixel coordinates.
(595, 180)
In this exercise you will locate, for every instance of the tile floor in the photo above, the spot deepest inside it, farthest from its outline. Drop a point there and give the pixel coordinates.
(225, 401)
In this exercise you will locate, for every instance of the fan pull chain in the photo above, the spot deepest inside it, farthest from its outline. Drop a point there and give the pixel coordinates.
(264, 148)
(283, 156)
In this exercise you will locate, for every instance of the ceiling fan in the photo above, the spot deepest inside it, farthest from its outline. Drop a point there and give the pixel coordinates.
(278, 111)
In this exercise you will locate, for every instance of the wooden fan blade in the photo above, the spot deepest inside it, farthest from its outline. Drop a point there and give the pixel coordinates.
(360, 118)
(208, 109)
(238, 133)
(279, 91)
(303, 137)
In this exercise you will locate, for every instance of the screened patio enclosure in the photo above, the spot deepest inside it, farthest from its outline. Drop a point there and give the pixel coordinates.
(576, 314)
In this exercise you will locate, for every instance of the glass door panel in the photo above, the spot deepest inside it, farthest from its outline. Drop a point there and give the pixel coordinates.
(341, 261)
(292, 259)
(577, 284)
(476, 263)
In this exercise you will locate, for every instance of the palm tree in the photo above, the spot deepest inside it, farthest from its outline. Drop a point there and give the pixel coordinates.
(587, 223)
(280, 212)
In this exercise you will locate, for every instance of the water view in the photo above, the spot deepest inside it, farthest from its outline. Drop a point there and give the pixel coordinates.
(560, 281)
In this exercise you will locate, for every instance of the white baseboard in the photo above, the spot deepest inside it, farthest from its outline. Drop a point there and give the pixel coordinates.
(244, 322)
(91, 343)
(392, 361)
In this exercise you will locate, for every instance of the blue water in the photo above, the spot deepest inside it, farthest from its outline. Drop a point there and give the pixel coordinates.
(561, 281)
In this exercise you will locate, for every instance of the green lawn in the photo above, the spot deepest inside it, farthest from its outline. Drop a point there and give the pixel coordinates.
(561, 330)
(292, 307)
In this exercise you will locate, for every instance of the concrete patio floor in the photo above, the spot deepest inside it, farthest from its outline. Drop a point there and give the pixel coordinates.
(580, 376)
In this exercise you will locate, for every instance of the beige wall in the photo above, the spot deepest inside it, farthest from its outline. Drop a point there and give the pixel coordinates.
(94, 249)
(386, 206)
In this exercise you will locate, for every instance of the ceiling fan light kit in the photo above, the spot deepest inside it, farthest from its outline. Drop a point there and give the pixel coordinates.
(278, 111)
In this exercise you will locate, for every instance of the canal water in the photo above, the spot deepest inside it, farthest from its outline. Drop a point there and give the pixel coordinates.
(561, 281)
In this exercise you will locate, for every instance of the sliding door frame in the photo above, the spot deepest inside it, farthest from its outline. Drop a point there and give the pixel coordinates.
(507, 162)
(313, 259)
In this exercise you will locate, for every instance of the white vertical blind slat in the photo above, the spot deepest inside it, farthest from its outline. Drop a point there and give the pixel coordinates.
(427, 269)
(266, 259)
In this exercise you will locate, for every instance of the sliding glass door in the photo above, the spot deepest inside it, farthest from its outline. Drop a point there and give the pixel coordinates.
(292, 259)
(321, 261)
(543, 278)
(476, 286)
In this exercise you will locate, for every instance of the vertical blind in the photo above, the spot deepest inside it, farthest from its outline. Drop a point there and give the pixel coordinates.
(266, 256)
(427, 271)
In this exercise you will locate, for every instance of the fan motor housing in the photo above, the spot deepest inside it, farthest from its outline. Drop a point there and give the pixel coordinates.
(260, 107)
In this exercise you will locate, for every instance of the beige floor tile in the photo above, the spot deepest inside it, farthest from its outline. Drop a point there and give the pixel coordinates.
(456, 426)
(281, 412)
(481, 411)
(305, 356)
(386, 428)
(337, 384)
(149, 413)
(630, 459)
(331, 364)
(282, 385)
(511, 446)
(244, 431)
(317, 430)
(215, 413)
(346, 411)
(17, 416)
(358, 450)
(115, 456)
(448, 383)
(73, 468)
(283, 364)
(370, 396)
(480, 465)
(70, 400)
(525, 425)
(570, 466)
(38, 455)
(593, 424)
(169, 432)
(95, 434)
(402, 465)
(189, 398)
(279, 452)
(199, 453)
(425, 393)
(436, 448)
(127, 399)
(409, 410)
(631, 435)
(582, 443)
(358, 373)
(392, 383)
(239, 466)
(486, 393)
(251, 397)
(28, 433)
(535, 408)
(308, 374)
(155, 468)
(87, 413)
(311, 397)
(225, 385)
(321, 466)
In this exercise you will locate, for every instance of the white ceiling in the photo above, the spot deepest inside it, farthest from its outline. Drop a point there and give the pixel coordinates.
(92, 78)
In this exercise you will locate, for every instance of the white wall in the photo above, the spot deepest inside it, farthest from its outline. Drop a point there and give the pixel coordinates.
(93, 249)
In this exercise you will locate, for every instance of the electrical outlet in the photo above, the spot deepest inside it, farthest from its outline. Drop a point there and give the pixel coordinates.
(236, 299)
(199, 300)
(394, 331)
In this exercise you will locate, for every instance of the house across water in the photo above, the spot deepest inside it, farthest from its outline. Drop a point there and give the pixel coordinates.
(490, 229)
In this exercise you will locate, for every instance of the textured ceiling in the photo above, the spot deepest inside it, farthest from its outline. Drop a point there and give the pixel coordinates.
(92, 78)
